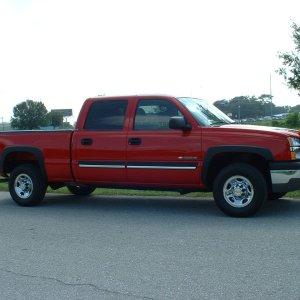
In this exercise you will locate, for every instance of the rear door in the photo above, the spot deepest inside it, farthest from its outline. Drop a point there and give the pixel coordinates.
(99, 148)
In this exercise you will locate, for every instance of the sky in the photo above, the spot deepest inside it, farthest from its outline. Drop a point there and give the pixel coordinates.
(61, 52)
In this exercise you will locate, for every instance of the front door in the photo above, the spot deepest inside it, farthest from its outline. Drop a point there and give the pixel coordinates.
(157, 155)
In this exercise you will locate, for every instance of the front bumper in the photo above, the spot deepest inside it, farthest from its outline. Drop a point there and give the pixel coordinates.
(285, 176)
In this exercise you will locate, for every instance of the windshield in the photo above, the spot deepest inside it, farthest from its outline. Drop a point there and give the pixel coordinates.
(205, 113)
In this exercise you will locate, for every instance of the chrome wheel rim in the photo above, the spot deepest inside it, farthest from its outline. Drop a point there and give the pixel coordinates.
(23, 186)
(238, 191)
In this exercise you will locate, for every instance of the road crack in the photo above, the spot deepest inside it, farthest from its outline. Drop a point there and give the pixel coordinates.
(89, 285)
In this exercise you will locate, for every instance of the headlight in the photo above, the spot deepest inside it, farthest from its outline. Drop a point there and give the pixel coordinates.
(294, 148)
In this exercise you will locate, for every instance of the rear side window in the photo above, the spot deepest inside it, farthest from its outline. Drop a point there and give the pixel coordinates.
(106, 115)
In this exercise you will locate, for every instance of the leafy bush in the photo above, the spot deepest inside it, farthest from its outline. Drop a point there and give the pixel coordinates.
(293, 120)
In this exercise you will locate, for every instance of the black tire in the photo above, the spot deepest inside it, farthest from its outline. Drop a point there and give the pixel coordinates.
(275, 196)
(240, 190)
(81, 190)
(26, 185)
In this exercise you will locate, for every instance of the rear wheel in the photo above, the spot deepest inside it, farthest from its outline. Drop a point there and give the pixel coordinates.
(26, 185)
(81, 190)
(240, 190)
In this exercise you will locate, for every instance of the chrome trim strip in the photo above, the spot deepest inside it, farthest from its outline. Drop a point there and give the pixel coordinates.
(138, 165)
(283, 176)
(162, 167)
(102, 166)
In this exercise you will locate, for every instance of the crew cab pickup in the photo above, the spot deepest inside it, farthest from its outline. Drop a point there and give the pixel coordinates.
(155, 142)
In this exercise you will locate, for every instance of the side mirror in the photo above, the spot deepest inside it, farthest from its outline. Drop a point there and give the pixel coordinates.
(179, 123)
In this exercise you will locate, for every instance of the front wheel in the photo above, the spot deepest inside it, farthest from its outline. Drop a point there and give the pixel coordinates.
(81, 190)
(240, 190)
(26, 185)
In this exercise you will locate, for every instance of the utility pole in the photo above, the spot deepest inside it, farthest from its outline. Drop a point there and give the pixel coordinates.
(2, 124)
(271, 96)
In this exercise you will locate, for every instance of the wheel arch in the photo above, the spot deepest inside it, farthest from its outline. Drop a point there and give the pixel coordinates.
(17, 155)
(217, 158)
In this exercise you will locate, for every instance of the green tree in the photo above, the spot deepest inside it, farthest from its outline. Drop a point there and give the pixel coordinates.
(246, 107)
(291, 62)
(295, 108)
(293, 120)
(224, 106)
(67, 125)
(281, 109)
(268, 106)
(55, 118)
(29, 115)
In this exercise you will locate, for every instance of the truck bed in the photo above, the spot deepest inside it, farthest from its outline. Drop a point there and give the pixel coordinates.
(54, 146)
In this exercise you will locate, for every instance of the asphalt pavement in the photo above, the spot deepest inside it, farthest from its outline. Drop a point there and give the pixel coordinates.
(101, 247)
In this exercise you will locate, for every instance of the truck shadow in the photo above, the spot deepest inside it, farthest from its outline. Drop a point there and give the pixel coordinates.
(285, 207)
(134, 204)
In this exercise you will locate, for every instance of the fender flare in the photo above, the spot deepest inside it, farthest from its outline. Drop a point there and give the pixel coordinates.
(35, 151)
(213, 151)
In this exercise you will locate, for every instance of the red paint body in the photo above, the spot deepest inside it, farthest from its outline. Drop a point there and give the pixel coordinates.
(62, 151)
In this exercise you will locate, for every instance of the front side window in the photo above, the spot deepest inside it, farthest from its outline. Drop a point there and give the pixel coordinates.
(106, 115)
(154, 114)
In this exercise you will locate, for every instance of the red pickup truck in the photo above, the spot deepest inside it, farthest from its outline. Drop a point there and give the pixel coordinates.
(155, 142)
